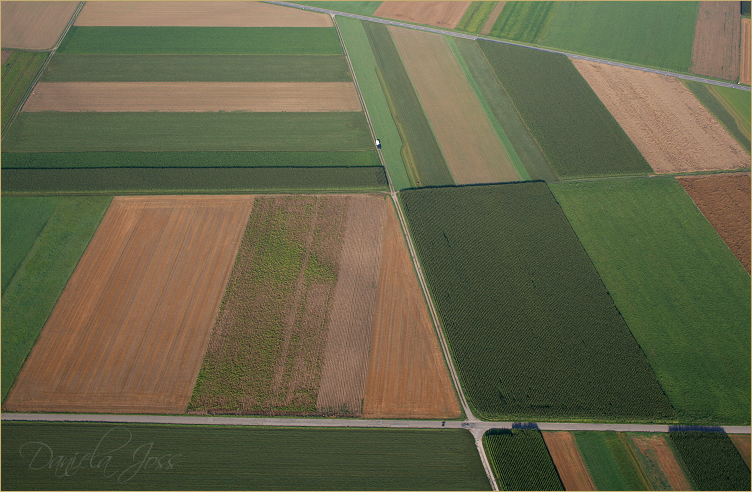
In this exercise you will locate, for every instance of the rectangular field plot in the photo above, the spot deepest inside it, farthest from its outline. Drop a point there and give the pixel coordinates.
(666, 267)
(34, 25)
(712, 460)
(206, 457)
(520, 460)
(131, 326)
(534, 333)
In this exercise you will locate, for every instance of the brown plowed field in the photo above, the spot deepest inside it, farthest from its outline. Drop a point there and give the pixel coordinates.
(470, 146)
(343, 377)
(492, 18)
(407, 375)
(744, 69)
(200, 14)
(715, 48)
(671, 128)
(724, 199)
(440, 14)
(568, 460)
(34, 25)
(742, 443)
(131, 327)
(194, 96)
(5, 55)
(660, 464)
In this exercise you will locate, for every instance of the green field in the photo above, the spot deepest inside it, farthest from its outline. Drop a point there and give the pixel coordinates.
(503, 112)
(197, 68)
(201, 41)
(187, 457)
(23, 219)
(91, 160)
(17, 73)
(712, 460)
(610, 460)
(420, 152)
(665, 266)
(654, 34)
(360, 8)
(192, 180)
(577, 134)
(364, 64)
(520, 460)
(39, 281)
(533, 332)
(524, 21)
(475, 17)
(164, 132)
(731, 107)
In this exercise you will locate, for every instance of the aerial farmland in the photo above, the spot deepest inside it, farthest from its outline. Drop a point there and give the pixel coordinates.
(375, 245)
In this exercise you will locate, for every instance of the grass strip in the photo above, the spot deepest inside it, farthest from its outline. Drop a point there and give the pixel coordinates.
(475, 17)
(608, 461)
(527, 22)
(18, 72)
(729, 106)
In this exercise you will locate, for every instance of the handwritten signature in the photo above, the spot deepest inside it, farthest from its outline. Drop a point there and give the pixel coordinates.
(41, 456)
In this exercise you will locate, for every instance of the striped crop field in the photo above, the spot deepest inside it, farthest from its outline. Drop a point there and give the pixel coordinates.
(524, 21)
(712, 461)
(520, 460)
(474, 18)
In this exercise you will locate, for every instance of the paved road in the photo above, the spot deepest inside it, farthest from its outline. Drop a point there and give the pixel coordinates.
(470, 36)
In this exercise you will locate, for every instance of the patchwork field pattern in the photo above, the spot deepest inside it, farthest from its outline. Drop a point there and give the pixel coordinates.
(612, 461)
(669, 126)
(742, 443)
(34, 25)
(659, 463)
(717, 40)
(131, 326)
(524, 21)
(568, 461)
(439, 14)
(18, 71)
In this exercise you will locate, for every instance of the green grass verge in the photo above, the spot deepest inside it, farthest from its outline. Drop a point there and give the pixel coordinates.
(577, 133)
(17, 73)
(165, 132)
(30, 297)
(193, 180)
(475, 17)
(731, 107)
(201, 41)
(91, 160)
(23, 219)
(197, 68)
(654, 34)
(421, 153)
(364, 64)
(666, 267)
(520, 460)
(608, 461)
(360, 8)
(712, 460)
(197, 457)
(527, 22)
(533, 332)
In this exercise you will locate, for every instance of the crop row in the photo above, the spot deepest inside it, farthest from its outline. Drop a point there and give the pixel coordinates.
(520, 460)
(524, 21)
(712, 460)
(475, 16)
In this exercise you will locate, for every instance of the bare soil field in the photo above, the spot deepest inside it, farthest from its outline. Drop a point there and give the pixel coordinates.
(131, 327)
(669, 126)
(34, 25)
(470, 146)
(715, 48)
(724, 199)
(439, 14)
(199, 14)
(659, 463)
(194, 96)
(744, 68)
(343, 376)
(492, 18)
(407, 375)
(569, 464)
(742, 443)
(5, 55)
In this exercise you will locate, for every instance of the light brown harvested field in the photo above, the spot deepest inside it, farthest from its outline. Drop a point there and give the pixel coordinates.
(744, 68)
(671, 128)
(407, 375)
(715, 48)
(194, 96)
(200, 14)
(662, 468)
(5, 55)
(34, 25)
(724, 199)
(742, 443)
(440, 14)
(343, 376)
(470, 146)
(131, 327)
(569, 464)
(492, 18)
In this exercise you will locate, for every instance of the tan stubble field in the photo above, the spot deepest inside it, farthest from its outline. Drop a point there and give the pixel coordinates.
(439, 14)
(34, 25)
(716, 43)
